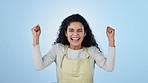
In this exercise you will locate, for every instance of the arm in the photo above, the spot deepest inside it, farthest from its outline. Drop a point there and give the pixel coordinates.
(103, 62)
(39, 61)
(110, 61)
(43, 62)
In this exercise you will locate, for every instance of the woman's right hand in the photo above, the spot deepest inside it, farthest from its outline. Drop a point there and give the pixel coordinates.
(36, 31)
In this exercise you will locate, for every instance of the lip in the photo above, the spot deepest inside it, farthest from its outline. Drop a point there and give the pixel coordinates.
(75, 39)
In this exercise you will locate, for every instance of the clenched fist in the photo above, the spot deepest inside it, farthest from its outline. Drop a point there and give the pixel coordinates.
(36, 31)
(110, 34)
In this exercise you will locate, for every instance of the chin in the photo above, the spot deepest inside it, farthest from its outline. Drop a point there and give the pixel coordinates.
(75, 45)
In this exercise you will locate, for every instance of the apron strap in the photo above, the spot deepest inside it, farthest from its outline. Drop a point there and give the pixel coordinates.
(65, 55)
(86, 52)
(65, 51)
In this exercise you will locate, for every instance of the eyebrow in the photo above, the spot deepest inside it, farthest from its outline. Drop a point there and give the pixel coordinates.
(77, 29)
(70, 28)
(80, 29)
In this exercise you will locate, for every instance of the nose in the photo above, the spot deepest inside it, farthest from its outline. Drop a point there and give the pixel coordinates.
(75, 33)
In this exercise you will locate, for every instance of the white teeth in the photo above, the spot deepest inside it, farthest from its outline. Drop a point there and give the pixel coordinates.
(75, 38)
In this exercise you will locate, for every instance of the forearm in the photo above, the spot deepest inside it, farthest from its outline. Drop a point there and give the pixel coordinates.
(37, 59)
(110, 62)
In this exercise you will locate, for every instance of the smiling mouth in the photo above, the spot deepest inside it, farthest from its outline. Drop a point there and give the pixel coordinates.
(75, 39)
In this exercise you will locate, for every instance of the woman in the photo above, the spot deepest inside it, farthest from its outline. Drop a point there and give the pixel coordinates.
(75, 51)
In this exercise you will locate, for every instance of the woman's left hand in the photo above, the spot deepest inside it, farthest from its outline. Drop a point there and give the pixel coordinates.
(110, 34)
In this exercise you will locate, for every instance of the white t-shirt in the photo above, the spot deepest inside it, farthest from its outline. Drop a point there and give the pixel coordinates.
(56, 53)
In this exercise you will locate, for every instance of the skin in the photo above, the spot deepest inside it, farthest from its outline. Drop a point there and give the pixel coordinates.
(75, 35)
(36, 31)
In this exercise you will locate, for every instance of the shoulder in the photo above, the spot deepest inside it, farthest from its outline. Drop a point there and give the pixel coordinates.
(58, 46)
(92, 48)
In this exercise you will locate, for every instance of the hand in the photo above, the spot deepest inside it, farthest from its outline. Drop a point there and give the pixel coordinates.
(36, 31)
(110, 34)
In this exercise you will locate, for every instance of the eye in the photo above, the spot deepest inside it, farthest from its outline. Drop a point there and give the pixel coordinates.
(70, 30)
(80, 30)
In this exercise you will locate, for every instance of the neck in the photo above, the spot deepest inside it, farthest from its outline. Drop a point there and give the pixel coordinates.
(75, 47)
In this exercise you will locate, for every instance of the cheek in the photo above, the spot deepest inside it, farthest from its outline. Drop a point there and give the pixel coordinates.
(68, 35)
(83, 35)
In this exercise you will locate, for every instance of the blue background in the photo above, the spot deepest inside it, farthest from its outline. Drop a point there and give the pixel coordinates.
(128, 17)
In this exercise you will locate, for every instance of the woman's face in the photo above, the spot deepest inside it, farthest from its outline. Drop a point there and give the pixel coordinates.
(75, 35)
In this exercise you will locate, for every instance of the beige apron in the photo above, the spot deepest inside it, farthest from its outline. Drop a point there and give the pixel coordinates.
(75, 71)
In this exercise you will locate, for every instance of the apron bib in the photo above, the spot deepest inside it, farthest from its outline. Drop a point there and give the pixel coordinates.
(75, 71)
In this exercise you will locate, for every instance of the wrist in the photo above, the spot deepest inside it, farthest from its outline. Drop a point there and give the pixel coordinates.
(111, 39)
(112, 43)
(36, 41)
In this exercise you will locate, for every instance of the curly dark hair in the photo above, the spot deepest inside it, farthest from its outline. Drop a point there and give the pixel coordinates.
(89, 39)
